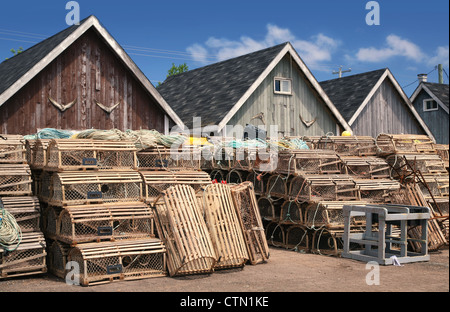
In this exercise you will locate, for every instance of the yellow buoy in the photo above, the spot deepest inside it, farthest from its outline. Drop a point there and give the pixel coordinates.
(346, 133)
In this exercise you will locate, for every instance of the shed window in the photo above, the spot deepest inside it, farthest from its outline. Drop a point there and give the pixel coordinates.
(429, 105)
(283, 86)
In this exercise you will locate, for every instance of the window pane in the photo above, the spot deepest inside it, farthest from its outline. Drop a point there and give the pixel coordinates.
(277, 85)
(286, 86)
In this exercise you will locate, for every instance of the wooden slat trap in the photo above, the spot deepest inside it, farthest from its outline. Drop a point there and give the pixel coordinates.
(347, 146)
(44, 186)
(278, 186)
(244, 199)
(259, 181)
(69, 154)
(116, 261)
(369, 167)
(270, 208)
(15, 180)
(28, 259)
(404, 143)
(406, 164)
(434, 185)
(25, 210)
(376, 191)
(218, 175)
(164, 158)
(291, 212)
(57, 258)
(39, 154)
(443, 151)
(316, 188)
(12, 149)
(296, 162)
(95, 223)
(224, 227)
(155, 182)
(180, 224)
(50, 221)
(80, 188)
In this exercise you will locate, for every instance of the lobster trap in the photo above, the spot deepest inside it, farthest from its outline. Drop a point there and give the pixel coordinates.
(244, 158)
(224, 227)
(278, 186)
(95, 223)
(28, 259)
(50, 221)
(25, 210)
(163, 158)
(236, 176)
(406, 164)
(38, 154)
(107, 262)
(15, 180)
(57, 258)
(155, 182)
(434, 185)
(180, 224)
(296, 162)
(316, 188)
(297, 238)
(291, 212)
(347, 146)
(443, 151)
(259, 181)
(72, 155)
(12, 149)
(369, 167)
(248, 212)
(80, 188)
(404, 143)
(269, 208)
(376, 191)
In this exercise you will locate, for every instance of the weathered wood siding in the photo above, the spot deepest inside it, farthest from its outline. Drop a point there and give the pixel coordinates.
(386, 112)
(88, 70)
(284, 110)
(437, 121)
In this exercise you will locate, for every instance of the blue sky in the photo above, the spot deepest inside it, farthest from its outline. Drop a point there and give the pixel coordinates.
(412, 37)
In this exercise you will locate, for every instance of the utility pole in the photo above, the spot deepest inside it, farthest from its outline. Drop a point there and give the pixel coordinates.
(340, 72)
(440, 71)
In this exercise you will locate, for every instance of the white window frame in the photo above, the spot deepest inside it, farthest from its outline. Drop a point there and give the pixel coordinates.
(281, 79)
(425, 102)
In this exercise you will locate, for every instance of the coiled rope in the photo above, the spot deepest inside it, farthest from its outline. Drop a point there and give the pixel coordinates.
(10, 232)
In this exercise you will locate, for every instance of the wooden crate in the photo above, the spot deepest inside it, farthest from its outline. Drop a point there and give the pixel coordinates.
(376, 191)
(347, 146)
(155, 182)
(12, 149)
(72, 155)
(246, 205)
(80, 188)
(39, 154)
(164, 158)
(15, 180)
(108, 262)
(316, 188)
(406, 164)
(95, 223)
(25, 210)
(297, 162)
(369, 167)
(180, 224)
(28, 259)
(404, 143)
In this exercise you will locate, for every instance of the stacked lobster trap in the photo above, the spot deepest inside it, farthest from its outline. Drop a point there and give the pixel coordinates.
(23, 248)
(93, 194)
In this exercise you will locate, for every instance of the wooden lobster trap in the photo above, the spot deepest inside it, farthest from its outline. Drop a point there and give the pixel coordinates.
(107, 262)
(72, 155)
(180, 224)
(38, 154)
(188, 157)
(316, 188)
(15, 180)
(434, 185)
(291, 212)
(224, 227)
(443, 152)
(155, 182)
(329, 214)
(28, 259)
(376, 191)
(404, 143)
(95, 223)
(244, 199)
(235, 176)
(347, 146)
(278, 186)
(57, 258)
(244, 158)
(50, 221)
(270, 208)
(296, 162)
(369, 167)
(25, 210)
(80, 188)
(12, 149)
(259, 181)
(406, 164)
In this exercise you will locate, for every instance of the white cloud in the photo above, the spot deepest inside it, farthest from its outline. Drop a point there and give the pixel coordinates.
(441, 57)
(313, 51)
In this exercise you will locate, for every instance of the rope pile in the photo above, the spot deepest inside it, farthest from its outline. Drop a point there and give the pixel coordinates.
(10, 232)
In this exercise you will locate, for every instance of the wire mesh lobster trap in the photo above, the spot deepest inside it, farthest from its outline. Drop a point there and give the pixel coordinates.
(269, 208)
(246, 205)
(80, 188)
(369, 167)
(236, 176)
(12, 149)
(276, 234)
(38, 154)
(25, 210)
(50, 221)
(443, 151)
(180, 224)
(164, 158)
(224, 227)
(434, 185)
(278, 186)
(15, 180)
(259, 181)
(406, 164)
(95, 223)
(316, 188)
(28, 259)
(296, 162)
(404, 143)
(107, 262)
(72, 155)
(57, 258)
(376, 191)
(155, 182)
(244, 158)
(297, 238)
(291, 212)
(347, 146)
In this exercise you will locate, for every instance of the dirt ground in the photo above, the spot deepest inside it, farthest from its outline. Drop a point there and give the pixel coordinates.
(286, 271)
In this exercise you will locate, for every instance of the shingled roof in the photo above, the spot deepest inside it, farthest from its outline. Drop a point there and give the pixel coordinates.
(439, 92)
